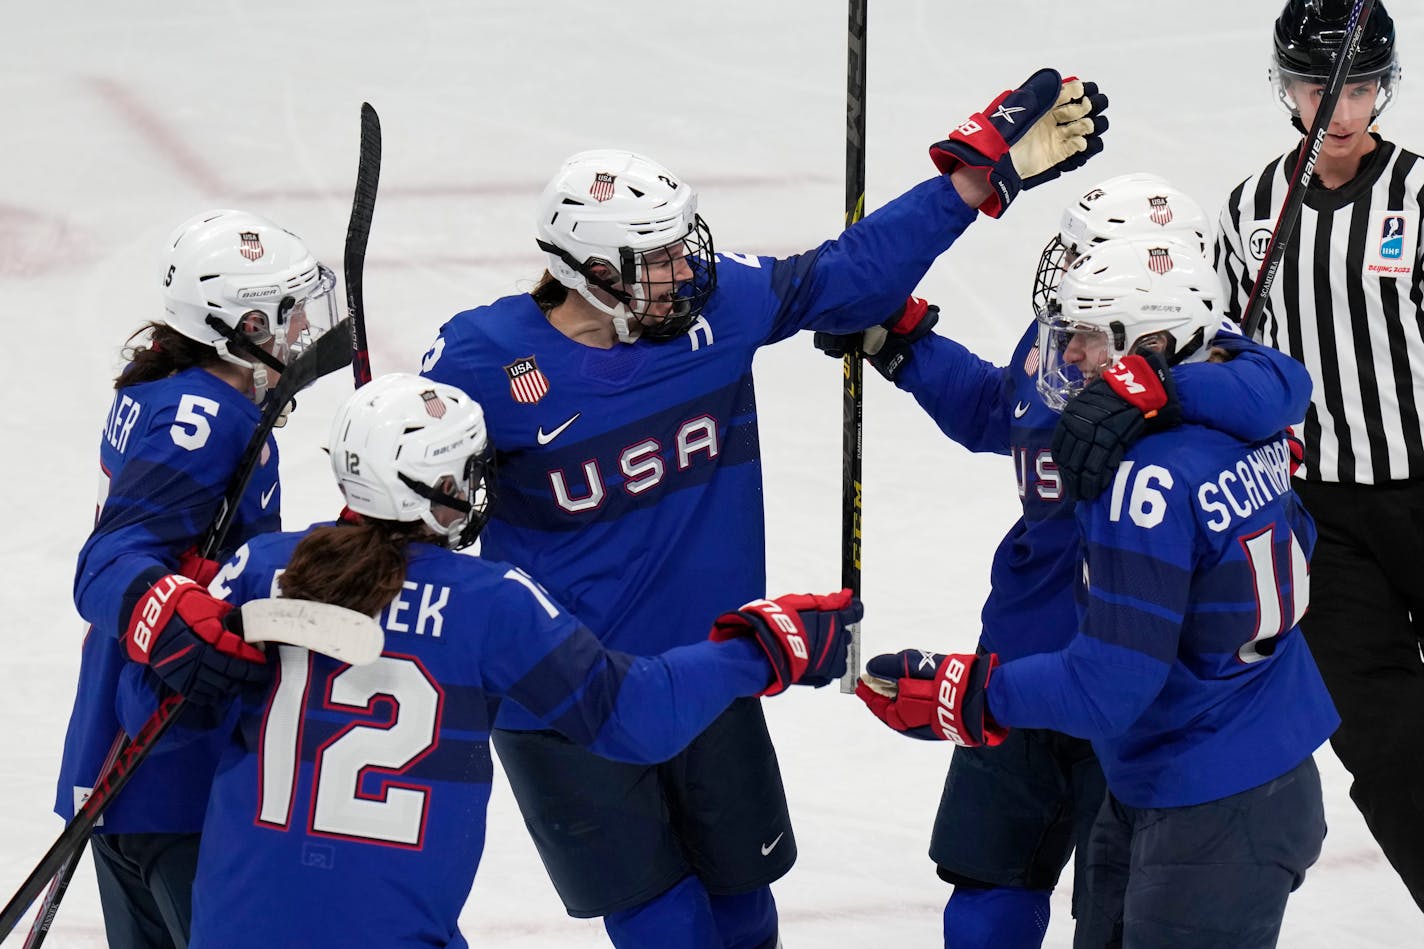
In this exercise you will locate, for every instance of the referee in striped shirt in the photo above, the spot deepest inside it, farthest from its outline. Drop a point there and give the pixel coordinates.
(1348, 302)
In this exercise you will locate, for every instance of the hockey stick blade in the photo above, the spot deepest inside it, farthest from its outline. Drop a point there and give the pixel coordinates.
(334, 631)
(358, 233)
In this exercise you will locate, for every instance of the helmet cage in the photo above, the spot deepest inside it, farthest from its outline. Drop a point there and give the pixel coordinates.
(470, 495)
(633, 293)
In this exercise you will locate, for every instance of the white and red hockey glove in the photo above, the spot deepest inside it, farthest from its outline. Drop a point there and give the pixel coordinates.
(803, 635)
(933, 697)
(1027, 136)
(186, 637)
(1134, 397)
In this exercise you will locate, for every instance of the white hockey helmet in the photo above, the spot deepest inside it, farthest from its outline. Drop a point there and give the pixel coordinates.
(607, 220)
(246, 287)
(1132, 205)
(404, 448)
(1123, 296)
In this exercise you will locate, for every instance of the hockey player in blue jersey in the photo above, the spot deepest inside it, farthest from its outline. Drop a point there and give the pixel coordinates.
(1011, 815)
(620, 395)
(241, 295)
(1187, 671)
(372, 781)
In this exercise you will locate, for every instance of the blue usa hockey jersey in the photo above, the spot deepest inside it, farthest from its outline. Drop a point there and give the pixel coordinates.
(988, 408)
(168, 451)
(630, 478)
(355, 796)
(1188, 672)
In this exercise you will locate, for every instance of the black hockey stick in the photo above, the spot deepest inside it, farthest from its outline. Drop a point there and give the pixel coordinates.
(852, 398)
(1304, 168)
(330, 352)
(358, 231)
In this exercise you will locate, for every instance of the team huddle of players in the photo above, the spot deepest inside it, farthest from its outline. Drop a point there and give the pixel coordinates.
(598, 437)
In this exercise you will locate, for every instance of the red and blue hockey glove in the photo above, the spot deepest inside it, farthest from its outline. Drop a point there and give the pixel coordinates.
(1027, 136)
(1133, 398)
(804, 636)
(887, 347)
(932, 696)
(186, 637)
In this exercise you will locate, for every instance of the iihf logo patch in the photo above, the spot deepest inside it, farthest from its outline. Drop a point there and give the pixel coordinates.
(251, 247)
(527, 385)
(1159, 260)
(1392, 238)
(602, 188)
(434, 405)
(1161, 212)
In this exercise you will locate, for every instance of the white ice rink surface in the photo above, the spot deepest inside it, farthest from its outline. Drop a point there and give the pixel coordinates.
(122, 118)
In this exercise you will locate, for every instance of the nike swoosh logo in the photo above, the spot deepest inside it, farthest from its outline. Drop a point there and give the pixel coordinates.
(1021, 409)
(267, 495)
(768, 848)
(545, 438)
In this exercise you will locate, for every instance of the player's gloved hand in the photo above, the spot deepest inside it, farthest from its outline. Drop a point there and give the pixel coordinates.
(1296, 447)
(887, 346)
(1133, 398)
(804, 636)
(932, 696)
(193, 642)
(1027, 136)
(197, 568)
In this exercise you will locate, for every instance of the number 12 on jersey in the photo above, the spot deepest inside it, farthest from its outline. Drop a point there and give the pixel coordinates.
(403, 704)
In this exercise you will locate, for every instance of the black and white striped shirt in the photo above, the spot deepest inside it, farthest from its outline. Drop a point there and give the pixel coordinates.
(1348, 302)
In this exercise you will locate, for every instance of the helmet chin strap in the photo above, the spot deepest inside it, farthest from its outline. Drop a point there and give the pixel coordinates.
(626, 324)
(261, 359)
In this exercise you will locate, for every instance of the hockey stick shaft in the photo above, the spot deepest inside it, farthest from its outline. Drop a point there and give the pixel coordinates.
(1304, 167)
(44, 916)
(358, 232)
(330, 352)
(852, 397)
(71, 841)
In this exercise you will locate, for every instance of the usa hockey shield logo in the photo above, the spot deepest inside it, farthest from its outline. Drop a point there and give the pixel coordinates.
(527, 385)
(1161, 211)
(434, 405)
(1159, 260)
(602, 188)
(251, 247)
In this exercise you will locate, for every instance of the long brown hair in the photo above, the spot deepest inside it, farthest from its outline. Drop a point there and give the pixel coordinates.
(549, 293)
(356, 564)
(157, 351)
